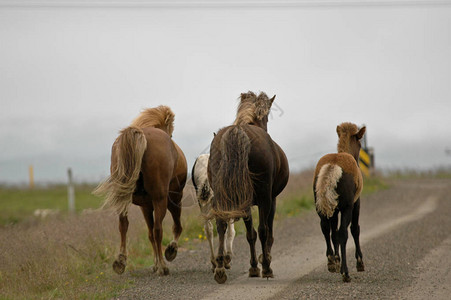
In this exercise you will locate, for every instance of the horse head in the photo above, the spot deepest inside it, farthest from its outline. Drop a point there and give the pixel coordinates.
(349, 136)
(253, 109)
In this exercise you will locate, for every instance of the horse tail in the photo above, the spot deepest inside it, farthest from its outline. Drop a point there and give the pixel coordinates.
(126, 163)
(325, 189)
(233, 187)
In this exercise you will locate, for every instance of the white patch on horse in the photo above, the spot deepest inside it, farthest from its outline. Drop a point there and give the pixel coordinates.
(326, 195)
(204, 195)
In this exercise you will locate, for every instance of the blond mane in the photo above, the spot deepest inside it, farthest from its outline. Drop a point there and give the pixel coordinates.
(160, 117)
(345, 131)
(252, 108)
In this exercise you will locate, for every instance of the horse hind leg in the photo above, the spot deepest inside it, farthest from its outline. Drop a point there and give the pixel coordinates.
(355, 231)
(251, 236)
(346, 215)
(325, 228)
(120, 263)
(270, 239)
(335, 240)
(148, 216)
(174, 207)
(160, 212)
(264, 235)
(208, 227)
(220, 275)
(230, 235)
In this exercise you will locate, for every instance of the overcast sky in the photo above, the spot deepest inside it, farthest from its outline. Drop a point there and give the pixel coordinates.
(72, 76)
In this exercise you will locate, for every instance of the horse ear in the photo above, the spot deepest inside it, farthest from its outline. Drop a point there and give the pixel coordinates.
(361, 132)
(272, 99)
(338, 130)
(214, 134)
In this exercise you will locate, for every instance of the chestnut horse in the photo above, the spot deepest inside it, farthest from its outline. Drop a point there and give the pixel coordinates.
(204, 196)
(148, 169)
(336, 186)
(247, 168)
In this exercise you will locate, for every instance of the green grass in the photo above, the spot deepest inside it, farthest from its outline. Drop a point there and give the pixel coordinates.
(294, 204)
(373, 184)
(18, 204)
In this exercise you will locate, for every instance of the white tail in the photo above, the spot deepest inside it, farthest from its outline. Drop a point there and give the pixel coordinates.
(326, 195)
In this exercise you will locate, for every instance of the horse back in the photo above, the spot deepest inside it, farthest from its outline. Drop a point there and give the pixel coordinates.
(163, 161)
(267, 161)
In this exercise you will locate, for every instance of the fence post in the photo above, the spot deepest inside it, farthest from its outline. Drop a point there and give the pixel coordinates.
(70, 192)
(31, 176)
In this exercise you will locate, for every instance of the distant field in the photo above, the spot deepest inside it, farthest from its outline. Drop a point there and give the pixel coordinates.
(19, 204)
(73, 253)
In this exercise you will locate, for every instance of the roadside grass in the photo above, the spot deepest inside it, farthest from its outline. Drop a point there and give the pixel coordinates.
(57, 258)
(70, 256)
(18, 204)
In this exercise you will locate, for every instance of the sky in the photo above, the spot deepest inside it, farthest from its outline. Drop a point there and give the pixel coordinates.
(72, 76)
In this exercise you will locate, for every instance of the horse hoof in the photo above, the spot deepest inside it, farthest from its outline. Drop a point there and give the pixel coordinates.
(267, 273)
(163, 271)
(171, 251)
(119, 264)
(331, 265)
(227, 260)
(118, 267)
(360, 266)
(220, 275)
(346, 278)
(254, 272)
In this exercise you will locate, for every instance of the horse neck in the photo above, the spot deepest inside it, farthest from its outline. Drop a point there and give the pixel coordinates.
(346, 148)
(257, 123)
(356, 156)
(261, 124)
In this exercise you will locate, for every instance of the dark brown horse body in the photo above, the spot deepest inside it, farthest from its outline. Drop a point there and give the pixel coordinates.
(337, 185)
(246, 168)
(147, 169)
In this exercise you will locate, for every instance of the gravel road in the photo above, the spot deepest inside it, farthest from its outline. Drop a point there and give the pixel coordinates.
(406, 242)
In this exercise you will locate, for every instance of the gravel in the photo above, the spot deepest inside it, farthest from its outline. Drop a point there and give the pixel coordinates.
(403, 260)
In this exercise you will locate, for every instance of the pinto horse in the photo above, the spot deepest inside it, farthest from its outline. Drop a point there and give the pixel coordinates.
(336, 186)
(148, 169)
(204, 195)
(247, 168)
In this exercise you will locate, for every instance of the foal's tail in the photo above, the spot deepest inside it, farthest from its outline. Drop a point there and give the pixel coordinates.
(326, 195)
(118, 188)
(233, 187)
